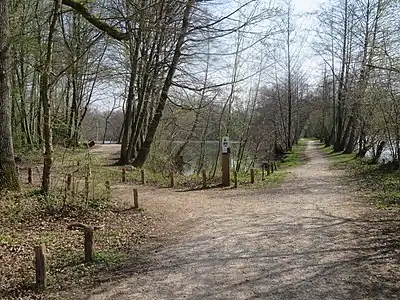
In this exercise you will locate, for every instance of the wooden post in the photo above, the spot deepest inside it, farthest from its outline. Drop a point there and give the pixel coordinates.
(275, 167)
(251, 175)
(40, 266)
(108, 189)
(204, 175)
(123, 175)
(74, 188)
(226, 162)
(142, 175)
(268, 168)
(87, 187)
(88, 233)
(135, 198)
(88, 237)
(171, 178)
(262, 173)
(30, 175)
(235, 179)
(69, 181)
(272, 167)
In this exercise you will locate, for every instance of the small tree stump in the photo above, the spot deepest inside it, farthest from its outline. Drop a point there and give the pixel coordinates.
(171, 178)
(142, 175)
(135, 199)
(30, 175)
(40, 266)
(123, 174)
(235, 179)
(204, 175)
(251, 175)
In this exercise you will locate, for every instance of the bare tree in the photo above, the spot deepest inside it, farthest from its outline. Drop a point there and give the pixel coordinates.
(8, 172)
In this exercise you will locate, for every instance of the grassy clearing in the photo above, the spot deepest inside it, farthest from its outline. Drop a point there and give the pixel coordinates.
(381, 181)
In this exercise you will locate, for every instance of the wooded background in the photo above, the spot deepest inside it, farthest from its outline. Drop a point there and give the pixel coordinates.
(160, 75)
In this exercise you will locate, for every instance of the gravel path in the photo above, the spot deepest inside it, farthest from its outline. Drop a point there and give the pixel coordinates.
(313, 238)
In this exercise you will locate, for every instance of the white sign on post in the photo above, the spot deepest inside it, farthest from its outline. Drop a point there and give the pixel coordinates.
(225, 144)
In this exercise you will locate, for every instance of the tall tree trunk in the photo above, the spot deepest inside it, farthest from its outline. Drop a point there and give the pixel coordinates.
(351, 142)
(341, 88)
(145, 148)
(46, 103)
(289, 90)
(8, 171)
(124, 158)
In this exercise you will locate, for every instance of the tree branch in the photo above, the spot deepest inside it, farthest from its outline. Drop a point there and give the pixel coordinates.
(99, 24)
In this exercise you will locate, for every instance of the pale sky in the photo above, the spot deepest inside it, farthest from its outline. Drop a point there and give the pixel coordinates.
(306, 5)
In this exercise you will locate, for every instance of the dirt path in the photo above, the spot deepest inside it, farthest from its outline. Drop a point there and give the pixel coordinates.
(313, 238)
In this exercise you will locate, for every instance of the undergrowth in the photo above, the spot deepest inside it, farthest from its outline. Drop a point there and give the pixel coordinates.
(382, 181)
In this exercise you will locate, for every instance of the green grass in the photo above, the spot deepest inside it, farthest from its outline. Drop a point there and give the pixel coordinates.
(380, 182)
(339, 159)
(296, 157)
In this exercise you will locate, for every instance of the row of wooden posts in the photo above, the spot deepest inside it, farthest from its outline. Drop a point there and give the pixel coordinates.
(88, 231)
(267, 168)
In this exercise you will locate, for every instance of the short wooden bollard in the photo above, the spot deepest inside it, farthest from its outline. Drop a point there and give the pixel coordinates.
(275, 167)
(86, 187)
(251, 175)
(171, 178)
(108, 189)
(262, 173)
(88, 238)
(30, 175)
(88, 234)
(272, 168)
(40, 266)
(268, 169)
(142, 175)
(235, 179)
(135, 199)
(123, 175)
(69, 181)
(204, 175)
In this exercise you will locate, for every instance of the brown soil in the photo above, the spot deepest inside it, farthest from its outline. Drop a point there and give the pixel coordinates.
(315, 237)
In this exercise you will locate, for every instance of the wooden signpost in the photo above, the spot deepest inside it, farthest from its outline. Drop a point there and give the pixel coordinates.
(226, 161)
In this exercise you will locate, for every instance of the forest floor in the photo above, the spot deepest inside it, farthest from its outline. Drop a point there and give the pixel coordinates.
(317, 236)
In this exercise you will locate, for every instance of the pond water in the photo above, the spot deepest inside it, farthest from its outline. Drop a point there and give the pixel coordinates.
(386, 154)
(192, 152)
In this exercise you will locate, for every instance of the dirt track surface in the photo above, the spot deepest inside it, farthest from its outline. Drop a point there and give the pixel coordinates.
(313, 238)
